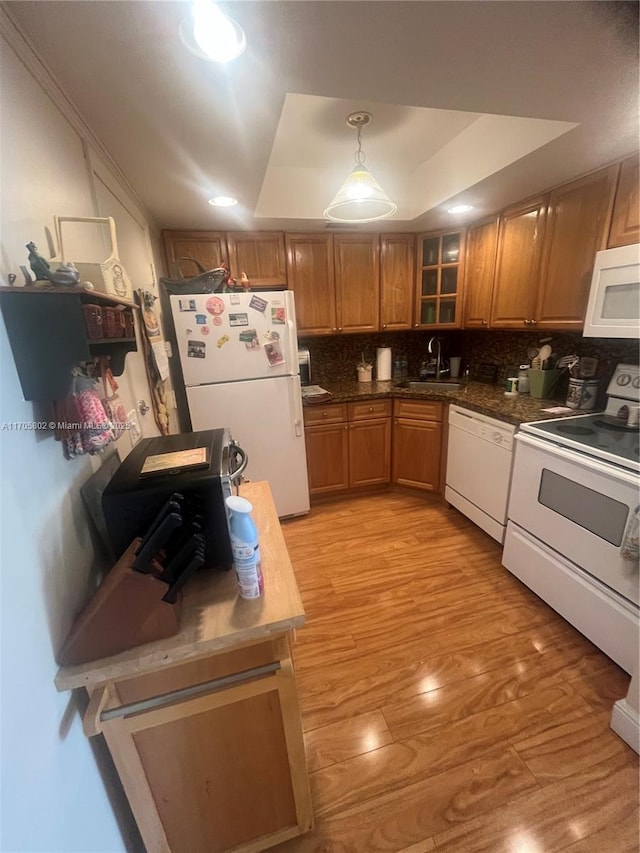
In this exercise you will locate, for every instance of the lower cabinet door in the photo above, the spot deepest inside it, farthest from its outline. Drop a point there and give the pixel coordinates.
(327, 458)
(417, 454)
(370, 452)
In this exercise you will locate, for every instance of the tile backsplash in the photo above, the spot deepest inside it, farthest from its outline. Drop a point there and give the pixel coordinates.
(336, 357)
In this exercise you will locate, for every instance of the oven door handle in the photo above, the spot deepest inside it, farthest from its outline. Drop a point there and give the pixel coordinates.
(234, 451)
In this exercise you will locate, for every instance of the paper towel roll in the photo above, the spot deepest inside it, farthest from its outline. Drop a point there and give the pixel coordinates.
(383, 364)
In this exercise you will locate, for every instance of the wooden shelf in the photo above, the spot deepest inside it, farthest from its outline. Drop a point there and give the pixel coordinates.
(48, 336)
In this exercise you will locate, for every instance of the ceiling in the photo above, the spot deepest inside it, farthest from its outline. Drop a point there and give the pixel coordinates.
(479, 102)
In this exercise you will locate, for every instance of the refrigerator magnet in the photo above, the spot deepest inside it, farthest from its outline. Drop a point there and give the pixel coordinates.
(196, 349)
(222, 341)
(188, 332)
(201, 319)
(274, 353)
(247, 335)
(278, 316)
(257, 303)
(217, 321)
(204, 330)
(215, 305)
(187, 304)
(238, 319)
(234, 299)
(271, 336)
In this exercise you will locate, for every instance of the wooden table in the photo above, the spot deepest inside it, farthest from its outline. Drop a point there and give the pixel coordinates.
(212, 758)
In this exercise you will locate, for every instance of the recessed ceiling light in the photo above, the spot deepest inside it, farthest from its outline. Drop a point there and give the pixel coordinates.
(223, 201)
(460, 208)
(211, 34)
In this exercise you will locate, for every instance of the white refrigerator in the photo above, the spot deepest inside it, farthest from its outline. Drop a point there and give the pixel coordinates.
(239, 359)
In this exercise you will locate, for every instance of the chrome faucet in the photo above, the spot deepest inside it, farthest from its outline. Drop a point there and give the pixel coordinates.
(435, 342)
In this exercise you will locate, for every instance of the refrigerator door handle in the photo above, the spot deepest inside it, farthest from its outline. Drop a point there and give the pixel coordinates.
(293, 333)
(298, 419)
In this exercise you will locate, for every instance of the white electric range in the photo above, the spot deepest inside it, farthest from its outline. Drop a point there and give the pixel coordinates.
(574, 510)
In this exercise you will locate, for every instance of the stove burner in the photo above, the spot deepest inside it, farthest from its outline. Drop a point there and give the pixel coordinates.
(575, 430)
(619, 427)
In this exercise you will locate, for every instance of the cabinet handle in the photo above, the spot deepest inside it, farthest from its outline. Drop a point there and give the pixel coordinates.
(384, 325)
(370, 408)
(416, 325)
(190, 692)
(334, 329)
(526, 322)
(346, 427)
(325, 414)
(533, 322)
(339, 328)
(485, 322)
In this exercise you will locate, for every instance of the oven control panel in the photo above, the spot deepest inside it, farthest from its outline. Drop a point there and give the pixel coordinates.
(625, 382)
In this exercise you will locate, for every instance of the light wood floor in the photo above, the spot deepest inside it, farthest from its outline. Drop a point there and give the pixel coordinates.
(445, 706)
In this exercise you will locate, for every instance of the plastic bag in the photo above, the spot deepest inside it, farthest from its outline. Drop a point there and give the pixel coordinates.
(115, 411)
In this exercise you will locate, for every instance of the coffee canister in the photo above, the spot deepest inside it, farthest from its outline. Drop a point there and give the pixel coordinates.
(582, 394)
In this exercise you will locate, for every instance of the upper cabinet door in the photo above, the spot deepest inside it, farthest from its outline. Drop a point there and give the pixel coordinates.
(357, 269)
(439, 280)
(625, 224)
(520, 238)
(578, 220)
(207, 247)
(310, 276)
(480, 266)
(259, 254)
(397, 254)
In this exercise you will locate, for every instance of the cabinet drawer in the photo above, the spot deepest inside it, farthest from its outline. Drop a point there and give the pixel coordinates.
(418, 410)
(367, 409)
(331, 414)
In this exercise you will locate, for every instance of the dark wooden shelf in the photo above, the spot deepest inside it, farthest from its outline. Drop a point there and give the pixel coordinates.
(48, 336)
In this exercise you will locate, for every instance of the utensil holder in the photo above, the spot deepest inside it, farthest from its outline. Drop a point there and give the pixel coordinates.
(364, 372)
(543, 383)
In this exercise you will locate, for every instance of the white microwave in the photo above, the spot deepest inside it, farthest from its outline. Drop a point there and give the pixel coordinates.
(613, 310)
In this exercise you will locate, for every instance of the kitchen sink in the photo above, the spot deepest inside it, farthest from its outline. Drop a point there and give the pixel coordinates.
(430, 385)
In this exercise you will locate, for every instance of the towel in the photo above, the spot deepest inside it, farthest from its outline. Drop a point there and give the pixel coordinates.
(630, 549)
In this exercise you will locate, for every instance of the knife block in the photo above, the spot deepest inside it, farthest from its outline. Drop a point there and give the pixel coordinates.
(126, 610)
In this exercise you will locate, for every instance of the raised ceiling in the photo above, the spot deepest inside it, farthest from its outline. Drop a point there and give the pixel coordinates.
(483, 102)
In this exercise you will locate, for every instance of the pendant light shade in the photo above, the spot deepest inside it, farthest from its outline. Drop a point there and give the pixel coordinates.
(360, 198)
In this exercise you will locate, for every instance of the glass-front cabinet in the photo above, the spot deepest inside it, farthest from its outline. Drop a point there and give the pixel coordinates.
(440, 275)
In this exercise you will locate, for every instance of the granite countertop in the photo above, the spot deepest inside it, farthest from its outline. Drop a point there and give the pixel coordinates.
(486, 399)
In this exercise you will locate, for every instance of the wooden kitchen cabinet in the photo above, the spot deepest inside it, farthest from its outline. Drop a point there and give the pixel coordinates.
(261, 255)
(48, 335)
(357, 277)
(397, 264)
(214, 759)
(577, 227)
(625, 222)
(417, 444)
(348, 445)
(369, 443)
(336, 282)
(440, 270)
(518, 260)
(207, 247)
(310, 274)
(480, 265)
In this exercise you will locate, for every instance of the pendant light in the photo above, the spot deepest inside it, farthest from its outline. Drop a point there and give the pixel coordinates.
(360, 198)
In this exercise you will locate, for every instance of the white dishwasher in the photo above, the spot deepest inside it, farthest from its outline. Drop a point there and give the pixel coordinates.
(479, 461)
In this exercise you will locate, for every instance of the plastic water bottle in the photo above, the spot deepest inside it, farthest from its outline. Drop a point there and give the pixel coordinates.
(245, 548)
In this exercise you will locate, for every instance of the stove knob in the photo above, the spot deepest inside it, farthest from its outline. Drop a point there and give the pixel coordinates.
(623, 379)
(636, 382)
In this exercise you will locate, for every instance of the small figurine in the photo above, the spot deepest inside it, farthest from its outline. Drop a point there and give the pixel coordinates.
(244, 281)
(66, 274)
(39, 265)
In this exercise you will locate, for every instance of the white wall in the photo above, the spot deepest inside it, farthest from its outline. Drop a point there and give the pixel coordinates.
(53, 799)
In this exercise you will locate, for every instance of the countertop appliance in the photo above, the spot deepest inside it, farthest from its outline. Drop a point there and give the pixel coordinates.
(573, 514)
(613, 310)
(239, 358)
(479, 461)
(131, 502)
(304, 365)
